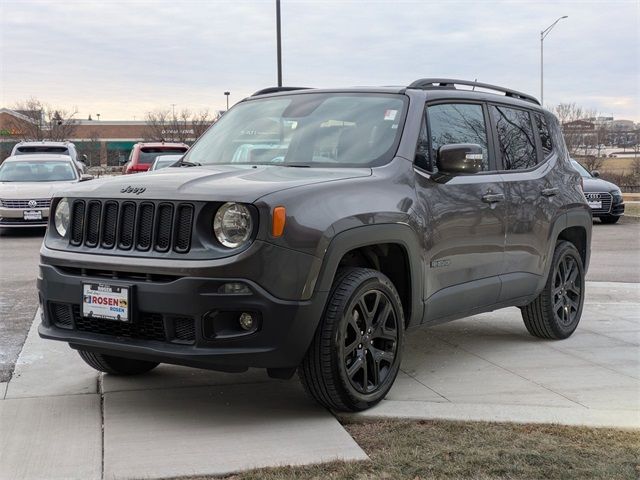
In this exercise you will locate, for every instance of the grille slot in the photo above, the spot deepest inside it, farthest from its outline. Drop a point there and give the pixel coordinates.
(184, 329)
(183, 228)
(77, 222)
(144, 226)
(127, 223)
(164, 225)
(109, 224)
(132, 225)
(61, 315)
(93, 224)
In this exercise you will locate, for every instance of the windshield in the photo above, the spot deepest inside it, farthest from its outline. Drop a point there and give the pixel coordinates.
(42, 149)
(37, 171)
(581, 170)
(311, 129)
(149, 154)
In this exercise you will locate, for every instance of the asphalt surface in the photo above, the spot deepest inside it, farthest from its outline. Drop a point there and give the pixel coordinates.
(615, 257)
(18, 296)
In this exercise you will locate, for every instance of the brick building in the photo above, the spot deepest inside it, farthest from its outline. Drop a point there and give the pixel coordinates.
(104, 142)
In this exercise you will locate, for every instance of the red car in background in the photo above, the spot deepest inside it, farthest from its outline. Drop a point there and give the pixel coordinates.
(143, 154)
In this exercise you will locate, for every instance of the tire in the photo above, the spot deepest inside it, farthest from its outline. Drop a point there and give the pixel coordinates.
(556, 312)
(609, 219)
(355, 355)
(116, 365)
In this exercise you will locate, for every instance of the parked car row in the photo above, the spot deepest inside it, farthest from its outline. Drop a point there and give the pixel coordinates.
(36, 171)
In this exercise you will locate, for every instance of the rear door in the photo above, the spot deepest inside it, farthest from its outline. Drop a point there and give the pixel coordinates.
(463, 215)
(526, 155)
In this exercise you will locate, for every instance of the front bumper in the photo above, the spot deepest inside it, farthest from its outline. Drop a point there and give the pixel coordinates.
(170, 323)
(14, 218)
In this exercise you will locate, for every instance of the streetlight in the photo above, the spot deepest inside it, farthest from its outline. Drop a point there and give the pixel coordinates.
(173, 110)
(98, 115)
(543, 35)
(227, 95)
(279, 42)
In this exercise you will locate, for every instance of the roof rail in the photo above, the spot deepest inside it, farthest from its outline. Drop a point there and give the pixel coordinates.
(265, 91)
(450, 83)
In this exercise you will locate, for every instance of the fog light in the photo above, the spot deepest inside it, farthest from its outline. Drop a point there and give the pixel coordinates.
(246, 321)
(234, 288)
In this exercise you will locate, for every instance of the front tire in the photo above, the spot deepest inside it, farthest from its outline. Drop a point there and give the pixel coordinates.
(116, 365)
(609, 219)
(556, 312)
(355, 355)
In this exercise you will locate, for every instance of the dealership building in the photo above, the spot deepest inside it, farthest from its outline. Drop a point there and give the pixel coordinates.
(106, 143)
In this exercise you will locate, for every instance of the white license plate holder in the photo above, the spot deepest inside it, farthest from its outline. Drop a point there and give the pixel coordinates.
(106, 301)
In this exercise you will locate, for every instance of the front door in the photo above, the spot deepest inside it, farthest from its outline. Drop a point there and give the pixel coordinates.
(463, 216)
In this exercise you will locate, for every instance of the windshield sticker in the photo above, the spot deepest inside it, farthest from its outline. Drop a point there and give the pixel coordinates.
(390, 115)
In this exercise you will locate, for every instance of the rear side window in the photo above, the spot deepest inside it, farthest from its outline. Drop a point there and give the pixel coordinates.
(455, 123)
(515, 138)
(545, 136)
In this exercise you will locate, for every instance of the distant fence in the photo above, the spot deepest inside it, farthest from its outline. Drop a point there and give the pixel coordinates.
(630, 188)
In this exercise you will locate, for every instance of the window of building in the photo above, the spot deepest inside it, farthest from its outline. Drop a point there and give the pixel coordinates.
(515, 138)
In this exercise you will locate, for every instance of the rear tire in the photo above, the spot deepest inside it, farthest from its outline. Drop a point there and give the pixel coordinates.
(609, 219)
(116, 365)
(556, 312)
(355, 355)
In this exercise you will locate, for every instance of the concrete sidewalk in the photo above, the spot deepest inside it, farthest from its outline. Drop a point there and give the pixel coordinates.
(59, 419)
(488, 367)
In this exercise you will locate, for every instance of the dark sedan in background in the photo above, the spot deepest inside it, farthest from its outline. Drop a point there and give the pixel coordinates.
(604, 198)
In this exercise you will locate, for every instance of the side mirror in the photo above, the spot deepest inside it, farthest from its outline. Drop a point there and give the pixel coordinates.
(457, 158)
(84, 178)
(84, 158)
(122, 161)
(595, 173)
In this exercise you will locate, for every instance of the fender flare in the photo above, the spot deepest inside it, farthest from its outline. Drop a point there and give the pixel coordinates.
(398, 233)
(571, 218)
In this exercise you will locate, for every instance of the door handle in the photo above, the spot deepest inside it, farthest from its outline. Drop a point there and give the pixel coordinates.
(492, 197)
(550, 192)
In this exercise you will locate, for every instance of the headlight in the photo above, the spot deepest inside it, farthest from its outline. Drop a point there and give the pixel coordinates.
(61, 218)
(617, 195)
(232, 224)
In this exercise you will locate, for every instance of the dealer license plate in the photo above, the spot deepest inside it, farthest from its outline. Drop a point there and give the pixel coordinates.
(595, 203)
(32, 215)
(109, 302)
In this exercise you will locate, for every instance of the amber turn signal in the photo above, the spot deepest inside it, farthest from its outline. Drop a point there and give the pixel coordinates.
(279, 217)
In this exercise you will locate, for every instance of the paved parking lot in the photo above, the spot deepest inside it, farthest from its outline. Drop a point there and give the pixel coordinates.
(177, 421)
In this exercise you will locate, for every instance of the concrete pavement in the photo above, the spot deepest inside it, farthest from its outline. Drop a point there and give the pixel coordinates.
(60, 419)
(488, 367)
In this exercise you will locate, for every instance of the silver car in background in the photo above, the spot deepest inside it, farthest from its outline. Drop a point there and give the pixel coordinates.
(27, 183)
(165, 161)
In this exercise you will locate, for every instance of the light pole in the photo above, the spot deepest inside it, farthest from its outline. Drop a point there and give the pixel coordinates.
(173, 110)
(543, 35)
(279, 42)
(227, 95)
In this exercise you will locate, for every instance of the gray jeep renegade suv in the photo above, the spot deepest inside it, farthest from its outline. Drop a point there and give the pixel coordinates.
(313, 229)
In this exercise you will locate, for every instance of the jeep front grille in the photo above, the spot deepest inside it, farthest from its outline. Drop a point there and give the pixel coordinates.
(124, 225)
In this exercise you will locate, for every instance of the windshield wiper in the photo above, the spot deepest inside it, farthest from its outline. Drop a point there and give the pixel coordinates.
(297, 165)
(184, 163)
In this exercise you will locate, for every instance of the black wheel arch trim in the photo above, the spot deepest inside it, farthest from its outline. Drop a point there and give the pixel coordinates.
(571, 218)
(394, 233)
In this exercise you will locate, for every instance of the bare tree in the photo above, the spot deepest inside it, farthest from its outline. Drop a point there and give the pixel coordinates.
(39, 121)
(162, 125)
(570, 116)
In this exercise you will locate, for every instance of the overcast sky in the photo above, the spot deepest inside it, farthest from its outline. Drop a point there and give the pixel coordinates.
(124, 58)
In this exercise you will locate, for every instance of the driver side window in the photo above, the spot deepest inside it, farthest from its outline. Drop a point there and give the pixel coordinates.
(451, 123)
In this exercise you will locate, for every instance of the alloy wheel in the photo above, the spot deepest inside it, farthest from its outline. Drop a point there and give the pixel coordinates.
(567, 290)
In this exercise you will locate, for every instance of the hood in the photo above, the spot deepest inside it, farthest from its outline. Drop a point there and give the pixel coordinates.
(228, 183)
(598, 185)
(32, 190)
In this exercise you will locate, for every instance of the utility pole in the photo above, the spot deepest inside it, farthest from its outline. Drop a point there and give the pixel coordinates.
(279, 42)
(543, 35)
(173, 110)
